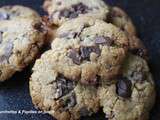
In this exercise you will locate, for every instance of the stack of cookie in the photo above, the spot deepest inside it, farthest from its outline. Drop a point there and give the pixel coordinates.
(21, 38)
(95, 61)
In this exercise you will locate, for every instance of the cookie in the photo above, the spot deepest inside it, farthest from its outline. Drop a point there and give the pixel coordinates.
(61, 11)
(17, 11)
(66, 99)
(119, 18)
(20, 42)
(89, 49)
(61, 97)
(51, 30)
(132, 95)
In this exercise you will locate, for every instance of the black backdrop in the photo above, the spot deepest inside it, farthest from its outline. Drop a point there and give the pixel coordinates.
(14, 94)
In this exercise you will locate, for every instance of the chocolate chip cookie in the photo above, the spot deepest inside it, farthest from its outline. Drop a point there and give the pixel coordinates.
(119, 18)
(61, 97)
(61, 11)
(20, 42)
(89, 49)
(17, 11)
(132, 95)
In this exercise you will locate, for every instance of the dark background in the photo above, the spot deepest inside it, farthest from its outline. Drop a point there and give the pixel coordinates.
(14, 94)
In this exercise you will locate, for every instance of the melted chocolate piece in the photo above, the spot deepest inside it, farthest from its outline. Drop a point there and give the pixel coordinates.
(124, 88)
(104, 40)
(140, 52)
(80, 8)
(83, 55)
(86, 51)
(39, 27)
(74, 55)
(69, 101)
(65, 13)
(64, 86)
(73, 15)
(75, 10)
(84, 111)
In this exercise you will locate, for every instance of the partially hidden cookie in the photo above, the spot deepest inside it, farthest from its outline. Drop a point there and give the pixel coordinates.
(20, 42)
(119, 18)
(63, 98)
(132, 96)
(17, 11)
(61, 11)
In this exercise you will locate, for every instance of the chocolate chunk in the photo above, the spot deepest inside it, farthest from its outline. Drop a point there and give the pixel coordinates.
(140, 52)
(75, 10)
(80, 8)
(73, 15)
(39, 26)
(76, 58)
(65, 13)
(104, 40)
(58, 93)
(64, 86)
(69, 101)
(84, 111)
(124, 87)
(4, 16)
(100, 40)
(86, 51)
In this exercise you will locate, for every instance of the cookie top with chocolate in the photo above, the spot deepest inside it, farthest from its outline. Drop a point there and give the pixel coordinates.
(119, 18)
(20, 42)
(65, 99)
(17, 11)
(132, 95)
(91, 48)
(61, 11)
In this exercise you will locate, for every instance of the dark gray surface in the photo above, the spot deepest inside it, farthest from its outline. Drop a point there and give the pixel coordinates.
(14, 94)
